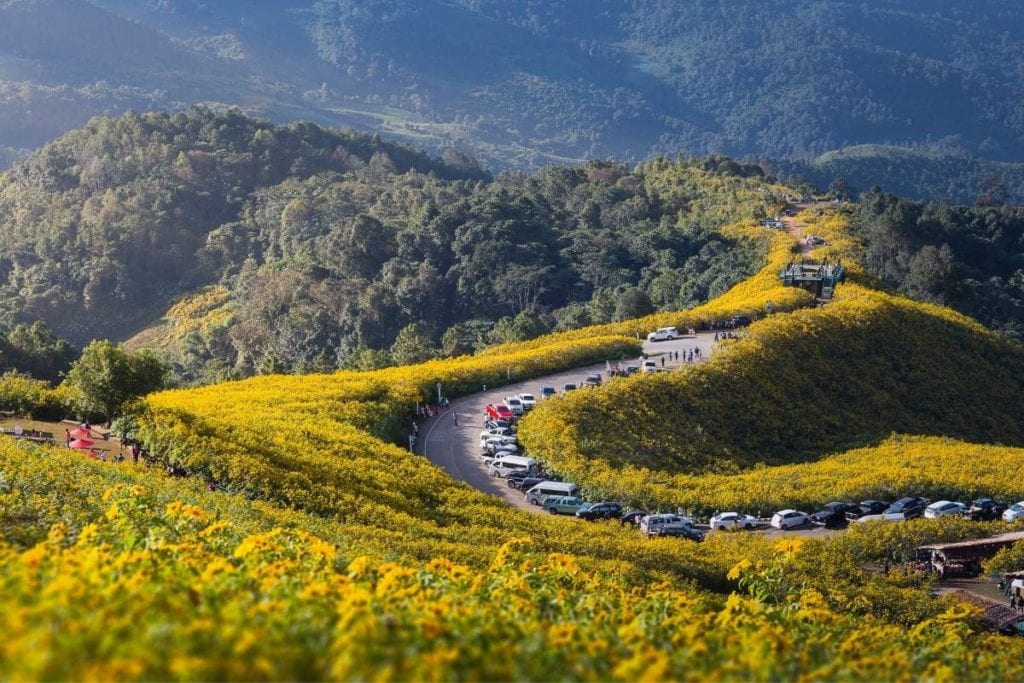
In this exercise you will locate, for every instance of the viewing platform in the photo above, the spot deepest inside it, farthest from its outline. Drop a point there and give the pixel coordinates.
(819, 279)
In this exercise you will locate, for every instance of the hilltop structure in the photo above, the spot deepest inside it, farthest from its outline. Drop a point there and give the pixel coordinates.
(818, 278)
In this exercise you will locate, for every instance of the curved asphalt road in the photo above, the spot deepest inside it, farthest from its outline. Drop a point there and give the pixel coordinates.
(456, 447)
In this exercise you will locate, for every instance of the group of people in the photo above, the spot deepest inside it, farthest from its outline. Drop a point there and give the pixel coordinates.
(429, 410)
(426, 411)
(725, 335)
(689, 356)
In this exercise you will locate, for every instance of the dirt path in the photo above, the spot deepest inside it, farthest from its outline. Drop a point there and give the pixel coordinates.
(795, 228)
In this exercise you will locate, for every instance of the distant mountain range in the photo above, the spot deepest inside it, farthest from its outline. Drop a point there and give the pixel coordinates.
(520, 83)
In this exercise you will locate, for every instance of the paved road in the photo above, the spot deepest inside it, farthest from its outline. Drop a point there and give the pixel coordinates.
(456, 447)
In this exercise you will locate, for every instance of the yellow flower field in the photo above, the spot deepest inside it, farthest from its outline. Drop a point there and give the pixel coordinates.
(327, 552)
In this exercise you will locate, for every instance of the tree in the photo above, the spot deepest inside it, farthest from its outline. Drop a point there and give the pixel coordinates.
(107, 376)
(465, 337)
(840, 187)
(526, 325)
(38, 351)
(521, 286)
(412, 345)
(633, 303)
(929, 275)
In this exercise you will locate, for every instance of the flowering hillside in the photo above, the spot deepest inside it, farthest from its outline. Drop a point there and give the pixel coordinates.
(134, 580)
(327, 552)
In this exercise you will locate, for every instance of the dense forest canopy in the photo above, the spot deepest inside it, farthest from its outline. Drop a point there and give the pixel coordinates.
(968, 258)
(298, 248)
(521, 83)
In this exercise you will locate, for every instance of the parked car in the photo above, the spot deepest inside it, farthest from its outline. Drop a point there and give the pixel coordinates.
(499, 411)
(943, 508)
(536, 494)
(663, 525)
(563, 505)
(904, 508)
(569, 387)
(909, 507)
(547, 391)
(632, 369)
(633, 517)
(601, 511)
(1014, 512)
(506, 465)
(489, 432)
(487, 440)
(691, 533)
(528, 400)
(500, 424)
(524, 481)
(984, 510)
(593, 379)
(832, 515)
(515, 404)
(865, 508)
(649, 366)
(789, 519)
(732, 520)
(663, 334)
(489, 444)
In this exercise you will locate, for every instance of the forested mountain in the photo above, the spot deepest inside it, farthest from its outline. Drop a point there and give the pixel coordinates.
(968, 258)
(519, 83)
(942, 173)
(294, 247)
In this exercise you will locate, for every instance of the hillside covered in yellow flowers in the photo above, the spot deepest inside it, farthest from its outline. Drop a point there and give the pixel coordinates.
(328, 552)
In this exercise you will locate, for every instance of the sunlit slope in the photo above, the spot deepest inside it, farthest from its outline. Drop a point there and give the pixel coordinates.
(797, 386)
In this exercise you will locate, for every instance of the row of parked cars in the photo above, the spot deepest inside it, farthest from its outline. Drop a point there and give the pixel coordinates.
(837, 514)
(500, 453)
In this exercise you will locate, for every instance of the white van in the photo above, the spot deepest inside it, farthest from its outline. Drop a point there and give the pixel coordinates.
(649, 366)
(506, 465)
(538, 493)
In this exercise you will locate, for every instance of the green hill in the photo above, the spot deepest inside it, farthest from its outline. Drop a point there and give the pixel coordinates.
(240, 247)
(935, 173)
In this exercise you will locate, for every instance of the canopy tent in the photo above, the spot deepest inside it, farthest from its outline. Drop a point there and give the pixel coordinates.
(80, 433)
(81, 443)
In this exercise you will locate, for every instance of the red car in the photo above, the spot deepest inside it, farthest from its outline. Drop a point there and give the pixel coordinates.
(499, 411)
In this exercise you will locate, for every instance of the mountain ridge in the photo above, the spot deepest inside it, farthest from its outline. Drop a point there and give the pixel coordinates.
(519, 85)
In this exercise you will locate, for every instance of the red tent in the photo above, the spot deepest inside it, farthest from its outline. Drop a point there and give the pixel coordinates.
(81, 443)
(80, 433)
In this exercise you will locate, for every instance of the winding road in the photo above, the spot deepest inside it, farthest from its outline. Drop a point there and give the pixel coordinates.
(455, 447)
(452, 439)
